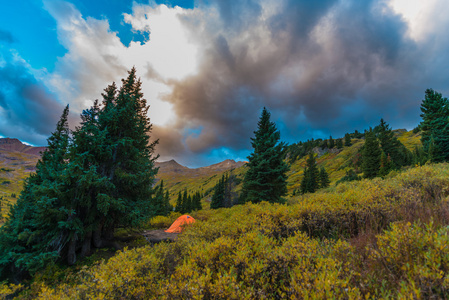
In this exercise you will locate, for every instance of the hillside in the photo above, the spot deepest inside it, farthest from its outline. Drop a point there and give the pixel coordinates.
(17, 161)
(177, 177)
(369, 239)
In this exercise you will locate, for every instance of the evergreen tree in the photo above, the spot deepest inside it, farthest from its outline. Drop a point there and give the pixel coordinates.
(32, 236)
(324, 178)
(339, 144)
(371, 155)
(331, 142)
(197, 201)
(433, 151)
(161, 205)
(324, 145)
(189, 204)
(179, 204)
(351, 175)
(185, 202)
(398, 153)
(86, 186)
(348, 142)
(168, 206)
(435, 115)
(419, 156)
(218, 196)
(266, 177)
(311, 180)
(386, 164)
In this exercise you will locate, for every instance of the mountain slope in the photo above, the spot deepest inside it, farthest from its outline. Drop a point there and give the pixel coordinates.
(17, 161)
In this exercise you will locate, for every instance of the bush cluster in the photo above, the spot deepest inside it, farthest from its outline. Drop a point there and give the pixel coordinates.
(382, 238)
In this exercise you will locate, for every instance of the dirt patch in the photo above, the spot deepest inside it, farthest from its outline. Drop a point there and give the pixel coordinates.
(157, 236)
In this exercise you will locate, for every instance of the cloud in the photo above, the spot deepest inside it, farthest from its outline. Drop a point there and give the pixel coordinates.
(27, 109)
(326, 67)
(322, 68)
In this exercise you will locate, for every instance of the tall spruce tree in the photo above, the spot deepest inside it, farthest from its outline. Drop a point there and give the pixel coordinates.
(266, 178)
(32, 235)
(348, 140)
(435, 124)
(398, 153)
(85, 187)
(371, 155)
(339, 144)
(179, 204)
(159, 200)
(196, 202)
(218, 196)
(331, 142)
(168, 206)
(324, 178)
(311, 180)
(386, 165)
(324, 145)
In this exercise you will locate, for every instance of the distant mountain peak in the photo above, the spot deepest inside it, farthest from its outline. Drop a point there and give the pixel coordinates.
(15, 145)
(10, 141)
(174, 166)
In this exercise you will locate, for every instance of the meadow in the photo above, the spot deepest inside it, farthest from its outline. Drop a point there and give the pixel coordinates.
(374, 239)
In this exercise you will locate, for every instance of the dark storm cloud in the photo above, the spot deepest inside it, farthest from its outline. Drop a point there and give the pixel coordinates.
(322, 67)
(27, 110)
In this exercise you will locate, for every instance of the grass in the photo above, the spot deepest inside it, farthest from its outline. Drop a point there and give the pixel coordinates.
(382, 238)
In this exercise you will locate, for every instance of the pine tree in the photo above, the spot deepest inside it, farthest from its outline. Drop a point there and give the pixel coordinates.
(311, 180)
(159, 200)
(331, 142)
(179, 204)
(324, 145)
(31, 236)
(266, 178)
(185, 202)
(398, 153)
(371, 155)
(218, 196)
(168, 206)
(433, 151)
(196, 201)
(189, 206)
(324, 178)
(339, 144)
(419, 156)
(386, 164)
(86, 186)
(434, 124)
(348, 142)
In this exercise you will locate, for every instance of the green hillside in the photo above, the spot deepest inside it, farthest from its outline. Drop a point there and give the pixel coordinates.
(372, 239)
(381, 238)
(336, 163)
(15, 167)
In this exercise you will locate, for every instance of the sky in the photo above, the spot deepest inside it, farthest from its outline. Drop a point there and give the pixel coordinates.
(208, 67)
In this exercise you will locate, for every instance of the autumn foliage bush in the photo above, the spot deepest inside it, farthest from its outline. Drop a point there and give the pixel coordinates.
(381, 238)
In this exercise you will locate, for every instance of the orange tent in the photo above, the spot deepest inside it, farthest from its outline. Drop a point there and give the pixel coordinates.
(177, 225)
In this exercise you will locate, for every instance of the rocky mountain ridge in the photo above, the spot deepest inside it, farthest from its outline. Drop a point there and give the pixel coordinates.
(172, 166)
(14, 145)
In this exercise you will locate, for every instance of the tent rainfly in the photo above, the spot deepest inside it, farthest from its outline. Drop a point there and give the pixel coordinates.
(180, 222)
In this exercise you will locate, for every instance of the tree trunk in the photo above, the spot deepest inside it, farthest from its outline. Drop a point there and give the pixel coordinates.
(71, 253)
(86, 248)
(96, 237)
(100, 241)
